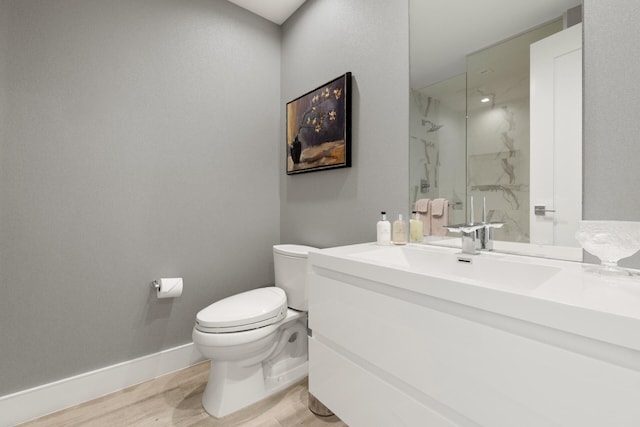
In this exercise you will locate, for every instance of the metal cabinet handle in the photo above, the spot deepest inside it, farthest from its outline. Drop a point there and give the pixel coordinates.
(541, 210)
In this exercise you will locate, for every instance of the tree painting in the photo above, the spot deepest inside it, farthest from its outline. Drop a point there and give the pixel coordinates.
(318, 128)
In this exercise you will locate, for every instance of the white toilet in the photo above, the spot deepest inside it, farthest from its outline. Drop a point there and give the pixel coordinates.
(256, 340)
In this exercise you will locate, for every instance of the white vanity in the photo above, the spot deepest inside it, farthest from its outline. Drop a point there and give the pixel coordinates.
(415, 336)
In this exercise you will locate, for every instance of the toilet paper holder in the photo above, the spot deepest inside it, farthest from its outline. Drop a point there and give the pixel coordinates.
(168, 287)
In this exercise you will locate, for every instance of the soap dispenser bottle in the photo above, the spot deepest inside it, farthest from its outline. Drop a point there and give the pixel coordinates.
(416, 229)
(399, 231)
(383, 230)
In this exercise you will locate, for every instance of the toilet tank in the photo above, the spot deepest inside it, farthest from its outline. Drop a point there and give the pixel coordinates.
(290, 266)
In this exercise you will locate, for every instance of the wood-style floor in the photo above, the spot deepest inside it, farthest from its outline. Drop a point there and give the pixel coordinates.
(175, 400)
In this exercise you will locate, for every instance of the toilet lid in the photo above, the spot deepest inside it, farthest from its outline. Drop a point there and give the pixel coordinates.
(296, 251)
(245, 311)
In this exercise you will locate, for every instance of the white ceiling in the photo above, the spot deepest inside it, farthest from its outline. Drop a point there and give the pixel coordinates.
(274, 10)
(444, 32)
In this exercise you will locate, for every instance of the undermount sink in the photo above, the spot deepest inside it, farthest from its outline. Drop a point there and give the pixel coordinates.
(483, 269)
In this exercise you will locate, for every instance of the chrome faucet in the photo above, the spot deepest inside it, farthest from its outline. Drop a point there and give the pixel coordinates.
(469, 236)
(476, 236)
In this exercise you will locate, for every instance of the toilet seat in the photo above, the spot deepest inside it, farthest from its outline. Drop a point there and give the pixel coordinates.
(242, 312)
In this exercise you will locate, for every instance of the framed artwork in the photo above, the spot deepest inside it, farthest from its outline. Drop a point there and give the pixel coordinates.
(319, 128)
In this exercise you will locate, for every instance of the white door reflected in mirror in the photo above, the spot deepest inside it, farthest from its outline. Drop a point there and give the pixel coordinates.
(556, 140)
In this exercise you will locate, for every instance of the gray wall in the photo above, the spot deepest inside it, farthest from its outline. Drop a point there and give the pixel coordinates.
(370, 38)
(611, 122)
(4, 57)
(141, 141)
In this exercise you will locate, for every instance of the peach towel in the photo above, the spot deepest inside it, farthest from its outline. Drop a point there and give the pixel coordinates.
(423, 208)
(439, 216)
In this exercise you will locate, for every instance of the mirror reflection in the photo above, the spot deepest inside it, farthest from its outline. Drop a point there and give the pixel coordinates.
(484, 123)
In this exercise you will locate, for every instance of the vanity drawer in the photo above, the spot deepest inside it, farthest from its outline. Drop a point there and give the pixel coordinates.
(360, 397)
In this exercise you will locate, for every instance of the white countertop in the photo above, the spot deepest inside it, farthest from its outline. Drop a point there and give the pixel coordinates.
(563, 295)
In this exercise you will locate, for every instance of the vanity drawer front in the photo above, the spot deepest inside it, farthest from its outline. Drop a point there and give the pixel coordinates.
(471, 364)
(361, 398)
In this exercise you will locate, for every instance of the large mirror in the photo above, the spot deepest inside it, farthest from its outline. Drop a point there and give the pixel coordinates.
(490, 82)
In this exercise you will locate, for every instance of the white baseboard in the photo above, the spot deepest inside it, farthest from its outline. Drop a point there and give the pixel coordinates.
(42, 400)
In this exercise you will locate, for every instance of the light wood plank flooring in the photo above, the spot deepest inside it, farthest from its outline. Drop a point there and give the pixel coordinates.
(175, 400)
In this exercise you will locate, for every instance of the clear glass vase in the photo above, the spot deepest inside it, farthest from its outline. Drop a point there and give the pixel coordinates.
(610, 241)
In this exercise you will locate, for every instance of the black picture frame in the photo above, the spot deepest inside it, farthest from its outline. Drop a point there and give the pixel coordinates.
(318, 128)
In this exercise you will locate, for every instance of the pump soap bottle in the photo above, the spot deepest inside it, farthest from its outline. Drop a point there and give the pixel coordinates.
(415, 229)
(399, 231)
(383, 229)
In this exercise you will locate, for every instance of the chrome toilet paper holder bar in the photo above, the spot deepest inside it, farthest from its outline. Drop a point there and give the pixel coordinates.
(155, 284)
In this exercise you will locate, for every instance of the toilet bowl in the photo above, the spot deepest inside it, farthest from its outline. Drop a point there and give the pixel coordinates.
(256, 340)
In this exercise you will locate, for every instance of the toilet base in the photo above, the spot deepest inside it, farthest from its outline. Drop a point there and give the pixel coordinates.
(232, 387)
